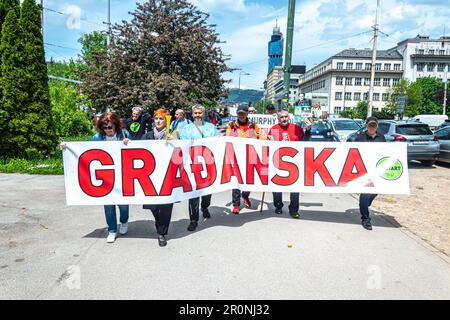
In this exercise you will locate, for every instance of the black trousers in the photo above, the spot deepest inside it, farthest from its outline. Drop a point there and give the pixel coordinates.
(236, 194)
(365, 201)
(293, 206)
(194, 206)
(162, 214)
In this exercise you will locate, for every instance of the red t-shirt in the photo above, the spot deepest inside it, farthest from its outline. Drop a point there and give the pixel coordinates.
(292, 132)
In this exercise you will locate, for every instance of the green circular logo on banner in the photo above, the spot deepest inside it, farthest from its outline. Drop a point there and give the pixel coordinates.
(134, 127)
(392, 173)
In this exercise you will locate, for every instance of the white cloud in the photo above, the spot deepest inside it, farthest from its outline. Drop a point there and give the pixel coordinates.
(74, 13)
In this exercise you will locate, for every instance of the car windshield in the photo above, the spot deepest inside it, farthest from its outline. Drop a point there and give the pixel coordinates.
(346, 125)
(320, 126)
(383, 128)
(413, 130)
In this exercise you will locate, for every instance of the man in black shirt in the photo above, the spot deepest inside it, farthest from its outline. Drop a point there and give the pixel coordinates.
(138, 124)
(365, 200)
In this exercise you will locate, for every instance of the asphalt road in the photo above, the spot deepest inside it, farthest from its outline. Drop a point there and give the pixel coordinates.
(51, 251)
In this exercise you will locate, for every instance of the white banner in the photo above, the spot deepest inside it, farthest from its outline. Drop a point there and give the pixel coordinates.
(156, 172)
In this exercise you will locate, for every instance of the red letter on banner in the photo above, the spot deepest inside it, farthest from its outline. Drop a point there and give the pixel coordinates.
(230, 165)
(129, 173)
(106, 175)
(197, 167)
(262, 167)
(171, 181)
(353, 160)
(285, 166)
(318, 165)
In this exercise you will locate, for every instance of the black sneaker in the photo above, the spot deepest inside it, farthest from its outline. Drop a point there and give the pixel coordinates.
(295, 215)
(366, 224)
(192, 226)
(278, 211)
(206, 214)
(162, 241)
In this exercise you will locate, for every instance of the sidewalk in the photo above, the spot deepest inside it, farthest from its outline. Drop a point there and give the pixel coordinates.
(51, 251)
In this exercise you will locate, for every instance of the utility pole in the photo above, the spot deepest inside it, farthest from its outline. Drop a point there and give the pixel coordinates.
(244, 74)
(109, 24)
(42, 18)
(445, 91)
(374, 59)
(289, 43)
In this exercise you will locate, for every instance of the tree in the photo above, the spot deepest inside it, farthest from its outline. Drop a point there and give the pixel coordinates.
(429, 87)
(167, 56)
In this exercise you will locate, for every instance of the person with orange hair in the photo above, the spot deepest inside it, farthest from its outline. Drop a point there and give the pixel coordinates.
(161, 212)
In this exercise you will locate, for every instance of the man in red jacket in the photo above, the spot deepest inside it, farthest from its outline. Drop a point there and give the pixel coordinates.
(285, 131)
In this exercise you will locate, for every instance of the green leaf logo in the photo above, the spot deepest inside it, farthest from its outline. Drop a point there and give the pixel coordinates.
(394, 171)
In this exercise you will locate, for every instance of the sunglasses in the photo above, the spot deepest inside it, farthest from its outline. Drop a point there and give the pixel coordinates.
(107, 127)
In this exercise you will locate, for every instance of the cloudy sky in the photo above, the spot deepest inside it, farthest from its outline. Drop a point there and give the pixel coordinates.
(322, 27)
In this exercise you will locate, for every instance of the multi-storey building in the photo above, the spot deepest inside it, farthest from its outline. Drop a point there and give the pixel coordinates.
(425, 57)
(296, 73)
(272, 79)
(275, 49)
(345, 78)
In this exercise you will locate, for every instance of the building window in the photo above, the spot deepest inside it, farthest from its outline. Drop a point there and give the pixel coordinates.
(420, 66)
(377, 82)
(441, 52)
(339, 81)
(358, 81)
(368, 66)
(421, 51)
(366, 81)
(348, 81)
(430, 67)
(387, 67)
(441, 67)
(338, 96)
(349, 66)
(348, 96)
(375, 110)
(385, 97)
(357, 96)
(397, 67)
(340, 65)
(376, 97)
(359, 66)
(395, 82)
(337, 110)
(430, 51)
(378, 66)
(386, 82)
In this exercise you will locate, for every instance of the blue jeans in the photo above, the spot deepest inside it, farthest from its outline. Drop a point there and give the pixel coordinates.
(111, 219)
(365, 201)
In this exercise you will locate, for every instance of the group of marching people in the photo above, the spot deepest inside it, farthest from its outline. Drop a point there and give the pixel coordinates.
(110, 127)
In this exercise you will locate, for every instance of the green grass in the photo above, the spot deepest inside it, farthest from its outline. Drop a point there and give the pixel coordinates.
(51, 166)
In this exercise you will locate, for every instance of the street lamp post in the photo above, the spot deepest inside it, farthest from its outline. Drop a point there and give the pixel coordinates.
(242, 73)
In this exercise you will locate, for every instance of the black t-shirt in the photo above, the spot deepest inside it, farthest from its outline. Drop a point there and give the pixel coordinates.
(364, 137)
(137, 128)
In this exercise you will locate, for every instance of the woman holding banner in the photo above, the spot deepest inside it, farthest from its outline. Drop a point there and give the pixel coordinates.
(161, 212)
(110, 127)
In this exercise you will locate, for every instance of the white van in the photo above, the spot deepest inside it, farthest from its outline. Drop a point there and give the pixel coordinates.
(432, 120)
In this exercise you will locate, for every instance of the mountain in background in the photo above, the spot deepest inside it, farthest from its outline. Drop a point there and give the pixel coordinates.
(244, 96)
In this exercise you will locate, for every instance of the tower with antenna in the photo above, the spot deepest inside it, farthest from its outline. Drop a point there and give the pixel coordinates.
(276, 45)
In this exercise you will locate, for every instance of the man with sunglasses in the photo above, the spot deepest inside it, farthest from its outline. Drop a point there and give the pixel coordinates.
(365, 200)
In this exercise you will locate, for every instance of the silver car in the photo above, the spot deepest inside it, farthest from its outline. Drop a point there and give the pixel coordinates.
(343, 127)
(444, 140)
(422, 144)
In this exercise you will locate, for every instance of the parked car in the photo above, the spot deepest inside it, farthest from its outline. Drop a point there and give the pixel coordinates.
(343, 127)
(322, 131)
(444, 142)
(423, 145)
(361, 122)
(446, 123)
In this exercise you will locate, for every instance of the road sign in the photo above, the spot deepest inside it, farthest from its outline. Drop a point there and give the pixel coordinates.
(401, 104)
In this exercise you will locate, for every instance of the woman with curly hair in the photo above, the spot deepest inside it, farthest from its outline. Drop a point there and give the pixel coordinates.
(161, 212)
(110, 127)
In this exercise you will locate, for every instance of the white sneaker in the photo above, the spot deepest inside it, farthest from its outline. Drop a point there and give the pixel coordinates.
(123, 228)
(111, 237)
